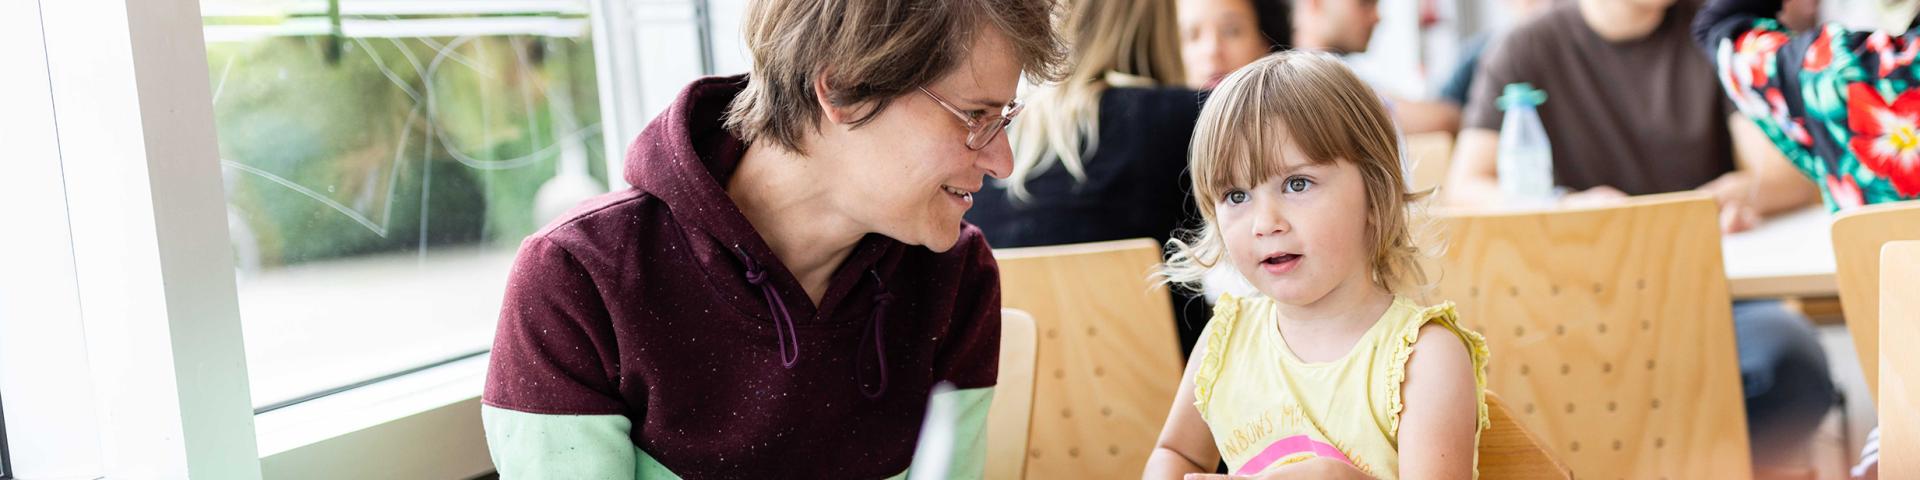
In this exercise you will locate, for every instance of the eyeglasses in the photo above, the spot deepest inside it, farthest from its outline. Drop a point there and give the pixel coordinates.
(979, 133)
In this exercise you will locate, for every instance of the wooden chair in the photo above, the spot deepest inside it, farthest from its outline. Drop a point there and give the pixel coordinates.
(1610, 329)
(1509, 451)
(1857, 237)
(1899, 398)
(1012, 412)
(1430, 153)
(1109, 360)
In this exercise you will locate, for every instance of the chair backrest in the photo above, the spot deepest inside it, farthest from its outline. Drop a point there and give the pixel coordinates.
(1011, 414)
(1109, 358)
(1611, 329)
(1509, 451)
(1899, 399)
(1857, 237)
(1430, 153)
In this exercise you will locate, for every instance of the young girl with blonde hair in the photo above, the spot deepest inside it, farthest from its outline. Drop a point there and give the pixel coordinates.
(1330, 371)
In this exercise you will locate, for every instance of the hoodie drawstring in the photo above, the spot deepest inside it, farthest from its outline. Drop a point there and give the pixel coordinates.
(783, 329)
(789, 338)
(878, 334)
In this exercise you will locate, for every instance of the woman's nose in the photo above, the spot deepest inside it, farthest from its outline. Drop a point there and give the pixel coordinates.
(997, 158)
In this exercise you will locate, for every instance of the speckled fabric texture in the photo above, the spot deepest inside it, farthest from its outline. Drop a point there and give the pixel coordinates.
(638, 303)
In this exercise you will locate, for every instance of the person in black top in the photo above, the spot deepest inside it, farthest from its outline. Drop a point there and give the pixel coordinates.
(1102, 155)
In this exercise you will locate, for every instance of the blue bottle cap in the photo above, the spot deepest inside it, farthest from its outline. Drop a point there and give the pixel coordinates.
(1521, 94)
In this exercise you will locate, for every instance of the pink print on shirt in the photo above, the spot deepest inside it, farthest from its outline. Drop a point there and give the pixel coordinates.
(1287, 447)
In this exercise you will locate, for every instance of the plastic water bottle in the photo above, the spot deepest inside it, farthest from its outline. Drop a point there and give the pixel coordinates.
(1525, 164)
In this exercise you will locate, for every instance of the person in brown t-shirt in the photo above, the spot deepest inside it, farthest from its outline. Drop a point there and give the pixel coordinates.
(1632, 109)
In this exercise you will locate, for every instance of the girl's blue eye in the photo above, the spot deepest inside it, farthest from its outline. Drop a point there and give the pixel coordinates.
(1237, 197)
(1298, 184)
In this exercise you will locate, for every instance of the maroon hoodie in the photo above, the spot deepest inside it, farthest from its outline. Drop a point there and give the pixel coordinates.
(663, 304)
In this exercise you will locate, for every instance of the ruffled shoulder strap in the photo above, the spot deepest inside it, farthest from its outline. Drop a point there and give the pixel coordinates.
(1401, 345)
(1226, 315)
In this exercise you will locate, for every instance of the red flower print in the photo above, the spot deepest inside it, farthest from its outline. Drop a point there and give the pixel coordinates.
(1796, 130)
(1756, 47)
(1820, 55)
(1845, 193)
(1892, 54)
(1743, 72)
(1886, 136)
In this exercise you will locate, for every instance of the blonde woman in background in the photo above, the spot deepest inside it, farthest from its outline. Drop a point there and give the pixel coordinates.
(1100, 155)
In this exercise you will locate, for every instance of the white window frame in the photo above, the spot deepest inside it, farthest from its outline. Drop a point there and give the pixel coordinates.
(627, 33)
(6, 466)
(39, 305)
(119, 319)
(146, 255)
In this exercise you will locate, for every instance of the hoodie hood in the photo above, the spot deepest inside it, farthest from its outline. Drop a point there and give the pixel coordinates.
(685, 155)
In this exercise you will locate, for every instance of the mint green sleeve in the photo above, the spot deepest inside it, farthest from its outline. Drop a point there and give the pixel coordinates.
(969, 448)
(534, 446)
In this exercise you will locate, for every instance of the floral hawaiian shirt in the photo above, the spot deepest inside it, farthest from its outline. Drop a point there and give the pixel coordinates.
(1842, 105)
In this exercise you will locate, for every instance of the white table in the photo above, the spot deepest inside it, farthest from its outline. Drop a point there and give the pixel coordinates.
(1790, 255)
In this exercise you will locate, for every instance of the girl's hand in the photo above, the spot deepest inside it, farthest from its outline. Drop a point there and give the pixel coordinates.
(1316, 467)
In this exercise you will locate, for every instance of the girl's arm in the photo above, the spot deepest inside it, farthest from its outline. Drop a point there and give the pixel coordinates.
(1440, 416)
(1186, 444)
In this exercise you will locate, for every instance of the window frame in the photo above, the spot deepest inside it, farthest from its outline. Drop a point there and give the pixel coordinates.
(151, 269)
(140, 284)
(398, 21)
(6, 463)
(43, 356)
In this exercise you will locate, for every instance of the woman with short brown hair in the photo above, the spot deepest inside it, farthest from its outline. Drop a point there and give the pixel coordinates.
(789, 277)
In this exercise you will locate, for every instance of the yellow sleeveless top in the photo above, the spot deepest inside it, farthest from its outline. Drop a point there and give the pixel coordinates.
(1268, 408)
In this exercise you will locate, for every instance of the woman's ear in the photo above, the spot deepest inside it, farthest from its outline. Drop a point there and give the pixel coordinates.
(834, 114)
(837, 114)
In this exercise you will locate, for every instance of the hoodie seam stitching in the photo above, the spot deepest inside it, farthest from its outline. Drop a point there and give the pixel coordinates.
(548, 232)
(618, 380)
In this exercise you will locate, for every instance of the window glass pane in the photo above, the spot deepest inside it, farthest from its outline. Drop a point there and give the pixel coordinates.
(382, 161)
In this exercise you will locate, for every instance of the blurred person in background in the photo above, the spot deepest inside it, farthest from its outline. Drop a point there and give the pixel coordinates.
(1460, 81)
(1632, 108)
(1102, 155)
(1797, 15)
(1219, 36)
(1840, 103)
